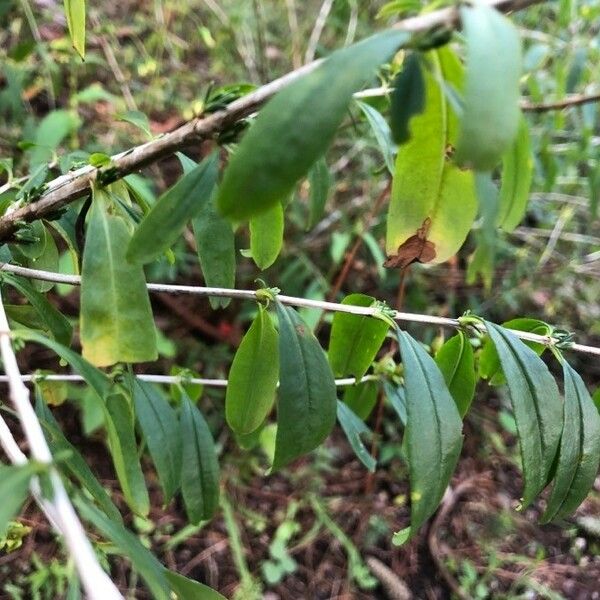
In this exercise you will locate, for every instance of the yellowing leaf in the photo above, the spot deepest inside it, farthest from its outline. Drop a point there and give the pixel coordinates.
(75, 13)
(432, 199)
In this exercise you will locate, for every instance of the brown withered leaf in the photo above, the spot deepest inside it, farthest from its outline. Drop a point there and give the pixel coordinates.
(417, 248)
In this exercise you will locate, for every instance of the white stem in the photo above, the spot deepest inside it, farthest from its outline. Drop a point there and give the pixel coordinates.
(95, 581)
(289, 300)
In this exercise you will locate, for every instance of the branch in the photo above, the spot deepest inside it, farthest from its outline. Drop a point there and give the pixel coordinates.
(291, 301)
(95, 581)
(574, 100)
(67, 188)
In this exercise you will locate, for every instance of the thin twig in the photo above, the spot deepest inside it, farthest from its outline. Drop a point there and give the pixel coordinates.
(73, 185)
(291, 301)
(574, 100)
(315, 35)
(95, 581)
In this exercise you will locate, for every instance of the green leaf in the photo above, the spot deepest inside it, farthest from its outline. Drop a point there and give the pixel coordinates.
(433, 430)
(382, 133)
(75, 463)
(75, 13)
(55, 322)
(150, 569)
(491, 99)
(297, 126)
(536, 405)
(200, 471)
(215, 243)
(124, 452)
(188, 589)
(116, 317)
(14, 489)
(163, 225)
(517, 173)
(95, 378)
(137, 119)
(489, 362)
(397, 398)
(51, 131)
(306, 408)
(431, 197)
(579, 454)
(160, 426)
(320, 181)
(408, 97)
(361, 398)
(354, 427)
(355, 339)
(252, 381)
(266, 236)
(46, 260)
(456, 361)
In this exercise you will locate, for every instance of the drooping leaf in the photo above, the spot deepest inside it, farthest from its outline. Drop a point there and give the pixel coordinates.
(144, 562)
(215, 244)
(408, 97)
(163, 225)
(536, 406)
(75, 13)
(54, 321)
(200, 471)
(456, 361)
(397, 398)
(320, 181)
(124, 452)
(361, 398)
(489, 362)
(306, 408)
(382, 133)
(517, 173)
(160, 426)
(51, 131)
(354, 427)
(266, 236)
(491, 98)
(433, 430)
(116, 317)
(14, 489)
(579, 454)
(188, 589)
(252, 381)
(433, 202)
(73, 461)
(355, 339)
(297, 126)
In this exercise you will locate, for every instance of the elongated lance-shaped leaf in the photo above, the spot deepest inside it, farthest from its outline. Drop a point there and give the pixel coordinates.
(354, 427)
(579, 454)
(14, 489)
(456, 361)
(295, 128)
(536, 405)
(433, 203)
(252, 381)
(200, 472)
(266, 236)
(160, 426)
(433, 430)
(188, 589)
(73, 462)
(408, 97)
(306, 408)
(491, 98)
(116, 317)
(144, 562)
(382, 133)
(355, 339)
(124, 452)
(517, 173)
(163, 225)
(361, 398)
(56, 323)
(320, 183)
(75, 13)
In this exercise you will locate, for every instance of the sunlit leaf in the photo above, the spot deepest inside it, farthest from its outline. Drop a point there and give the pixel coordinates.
(75, 13)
